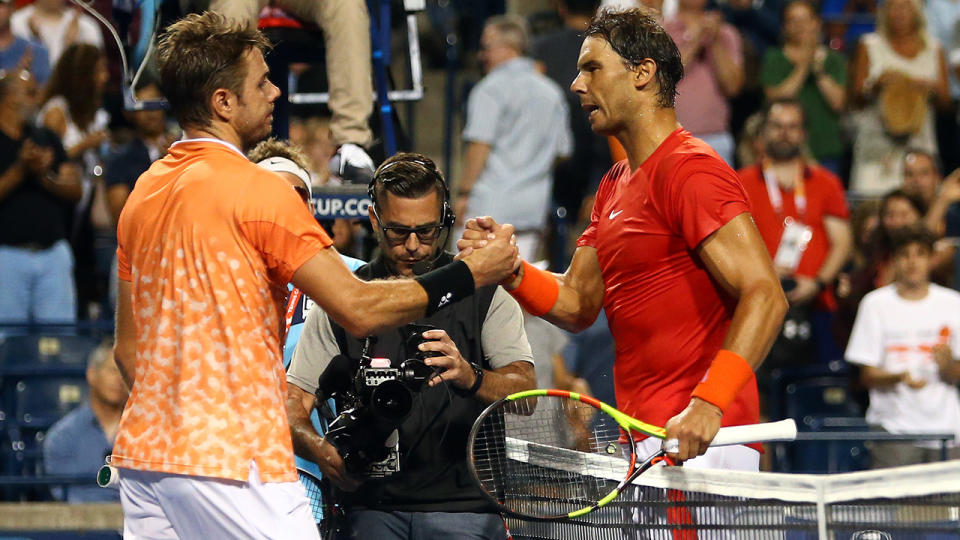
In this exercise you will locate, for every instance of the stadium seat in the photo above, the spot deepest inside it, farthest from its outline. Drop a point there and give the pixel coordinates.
(41, 401)
(39, 352)
(825, 456)
(820, 396)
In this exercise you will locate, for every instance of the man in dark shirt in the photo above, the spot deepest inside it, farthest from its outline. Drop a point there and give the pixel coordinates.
(37, 192)
(579, 175)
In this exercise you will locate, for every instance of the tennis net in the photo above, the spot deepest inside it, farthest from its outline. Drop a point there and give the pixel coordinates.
(916, 502)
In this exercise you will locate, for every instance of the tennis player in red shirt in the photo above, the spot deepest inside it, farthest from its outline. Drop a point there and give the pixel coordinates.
(671, 253)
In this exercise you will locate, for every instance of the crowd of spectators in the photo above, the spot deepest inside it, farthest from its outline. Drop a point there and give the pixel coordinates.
(843, 134)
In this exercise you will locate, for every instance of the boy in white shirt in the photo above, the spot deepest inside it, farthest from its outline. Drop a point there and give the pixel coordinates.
(903, 339)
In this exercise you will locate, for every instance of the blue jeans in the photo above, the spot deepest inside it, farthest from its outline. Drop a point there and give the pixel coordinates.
(425, 525)
(37, 285)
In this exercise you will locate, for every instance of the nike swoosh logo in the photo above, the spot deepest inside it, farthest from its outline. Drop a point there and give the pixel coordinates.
(615, 214)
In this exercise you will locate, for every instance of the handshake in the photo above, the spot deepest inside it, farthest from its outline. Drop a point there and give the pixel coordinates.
(490, 251)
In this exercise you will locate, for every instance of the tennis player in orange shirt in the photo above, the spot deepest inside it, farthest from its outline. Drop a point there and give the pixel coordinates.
(207, 244)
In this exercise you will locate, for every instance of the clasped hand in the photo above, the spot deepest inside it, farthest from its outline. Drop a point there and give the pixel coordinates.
(485, 238)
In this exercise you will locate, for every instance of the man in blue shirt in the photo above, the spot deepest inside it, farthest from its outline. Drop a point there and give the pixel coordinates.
(78, 442)
(18, 52)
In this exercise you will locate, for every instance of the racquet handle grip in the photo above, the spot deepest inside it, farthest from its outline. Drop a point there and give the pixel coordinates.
(784, 430)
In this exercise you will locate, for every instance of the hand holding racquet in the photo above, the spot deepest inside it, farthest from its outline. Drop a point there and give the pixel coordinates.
(555, 455)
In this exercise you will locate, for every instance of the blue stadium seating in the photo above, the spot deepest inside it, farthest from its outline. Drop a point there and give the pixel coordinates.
(45, 352)
(820, 396)
(822, 404)
(41, 401)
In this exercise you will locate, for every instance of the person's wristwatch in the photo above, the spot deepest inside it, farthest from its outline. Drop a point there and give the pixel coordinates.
(478, 380)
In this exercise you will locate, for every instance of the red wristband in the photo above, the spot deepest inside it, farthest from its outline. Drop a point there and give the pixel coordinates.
(538, 290)
(728, 373)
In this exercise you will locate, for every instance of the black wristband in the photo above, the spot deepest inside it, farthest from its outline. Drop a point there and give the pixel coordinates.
(477, 382)
(446, 285)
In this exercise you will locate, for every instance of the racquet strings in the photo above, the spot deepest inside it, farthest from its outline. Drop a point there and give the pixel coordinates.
(314, 493)
(547, 456)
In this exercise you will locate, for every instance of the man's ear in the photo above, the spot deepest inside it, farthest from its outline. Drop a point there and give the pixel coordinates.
(373, 218)
(223, 103)
(644, 73)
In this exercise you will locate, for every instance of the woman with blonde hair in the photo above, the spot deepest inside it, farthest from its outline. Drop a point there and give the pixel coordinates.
(899, 73)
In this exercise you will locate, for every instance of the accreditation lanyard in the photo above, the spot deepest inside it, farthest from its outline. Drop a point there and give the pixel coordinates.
(796, 235)
(776, 200)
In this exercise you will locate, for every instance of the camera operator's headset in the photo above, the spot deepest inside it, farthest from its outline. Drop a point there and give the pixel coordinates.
(447, 217)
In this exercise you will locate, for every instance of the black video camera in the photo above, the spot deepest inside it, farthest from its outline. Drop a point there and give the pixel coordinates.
(375, 400)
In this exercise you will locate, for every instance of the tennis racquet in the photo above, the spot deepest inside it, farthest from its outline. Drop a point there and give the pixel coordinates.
(551, 455)
(314, 490)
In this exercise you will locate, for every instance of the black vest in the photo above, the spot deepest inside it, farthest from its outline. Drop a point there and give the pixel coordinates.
(433, 473)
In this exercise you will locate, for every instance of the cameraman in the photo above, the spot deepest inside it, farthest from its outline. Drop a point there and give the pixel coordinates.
(483, 356)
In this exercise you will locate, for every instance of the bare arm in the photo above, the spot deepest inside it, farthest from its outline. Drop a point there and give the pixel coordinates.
(365, 308)
(474, 161)
(509, 379)
(859, 94)
(116, 197)
(737, 258)
(941, 87)
(309, 444)
(874, 377)
(581, 292)
(67, 184)
(947, 365)
(729, 69)
(125, 340)
(949, 193)
(833, 92)
(581, 287)
(497, 383)
(790, 86)
(841, 244)
(56, 121)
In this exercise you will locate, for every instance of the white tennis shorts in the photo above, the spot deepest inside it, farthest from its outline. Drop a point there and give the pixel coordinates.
(164, 506)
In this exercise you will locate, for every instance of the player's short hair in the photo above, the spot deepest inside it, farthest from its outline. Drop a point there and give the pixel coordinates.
(276, 148)
(635, 35)
(199, 54)
(512, 31)
(408, 175)
(905, 236)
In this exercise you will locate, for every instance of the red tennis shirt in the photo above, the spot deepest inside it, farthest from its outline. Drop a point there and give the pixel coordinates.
(667, 315)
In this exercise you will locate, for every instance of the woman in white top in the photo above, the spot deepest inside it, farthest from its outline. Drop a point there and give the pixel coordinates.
(72, 109)
(72, 100)
(899, 54)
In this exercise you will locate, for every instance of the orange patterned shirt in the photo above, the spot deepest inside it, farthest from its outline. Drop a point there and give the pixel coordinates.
(208, 241)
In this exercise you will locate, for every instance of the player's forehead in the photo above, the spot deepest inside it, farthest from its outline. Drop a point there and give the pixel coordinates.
(596, 49)
(256, 63)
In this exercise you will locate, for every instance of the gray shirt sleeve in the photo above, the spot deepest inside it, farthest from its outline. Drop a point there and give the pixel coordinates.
(502, 336)
(483, 115)
(316, 347)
